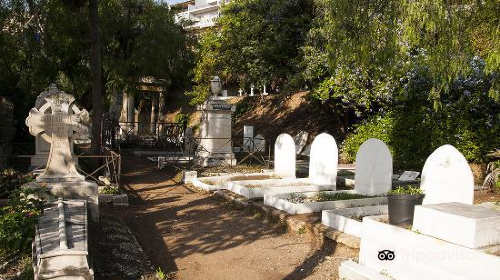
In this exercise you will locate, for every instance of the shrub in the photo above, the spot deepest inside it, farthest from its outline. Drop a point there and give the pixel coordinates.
(242, 107)
(18, 220)
(181, 118)
(466, 118)
(379, 126)
(12, 180)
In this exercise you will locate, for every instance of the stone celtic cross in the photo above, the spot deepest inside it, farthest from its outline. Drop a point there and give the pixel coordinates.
(58, 121)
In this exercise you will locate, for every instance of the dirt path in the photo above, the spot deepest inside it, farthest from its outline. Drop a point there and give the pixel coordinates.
(196, 236)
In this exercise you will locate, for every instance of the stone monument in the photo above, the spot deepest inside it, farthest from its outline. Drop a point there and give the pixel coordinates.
(42, 146)
(447, 177)
(284, 156)
(324, 161)
(373, 168)
(215, 132)
(58, 121)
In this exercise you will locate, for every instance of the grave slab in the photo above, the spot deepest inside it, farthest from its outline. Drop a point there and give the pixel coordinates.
(417, 256)
(213, 183)
(259, 188)
(471, 226)
(61, 242)
(280, 201)
(344, 219)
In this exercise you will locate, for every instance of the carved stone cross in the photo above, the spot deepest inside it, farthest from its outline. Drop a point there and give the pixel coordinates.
(57, 121)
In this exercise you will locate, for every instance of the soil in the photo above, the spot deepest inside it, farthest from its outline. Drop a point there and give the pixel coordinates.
(193, 235)
(486, 196)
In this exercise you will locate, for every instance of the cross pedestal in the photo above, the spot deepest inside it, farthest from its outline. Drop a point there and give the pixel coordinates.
(57, 121)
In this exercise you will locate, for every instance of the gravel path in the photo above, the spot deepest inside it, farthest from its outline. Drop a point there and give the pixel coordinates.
(196, 236)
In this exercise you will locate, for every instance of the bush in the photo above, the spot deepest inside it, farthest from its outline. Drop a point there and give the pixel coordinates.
(12, 180)
(181, 118)
(379, 126)
(242, 107)
(17, 222)
(414, 127)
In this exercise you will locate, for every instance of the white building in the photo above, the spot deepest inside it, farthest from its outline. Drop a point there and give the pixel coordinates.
(202, 14)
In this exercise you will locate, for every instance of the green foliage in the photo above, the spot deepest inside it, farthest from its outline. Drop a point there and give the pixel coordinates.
(160, 274)
(467, 119)
(48, 41)
(324, 196)
(11, 181)
(242, 107)
(18, 220)
(258, 43)
(370, 44)
(378, 126)
(406, 190)
(182, 118)
(109, 190)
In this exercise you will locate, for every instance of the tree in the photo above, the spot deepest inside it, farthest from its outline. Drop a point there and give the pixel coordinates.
(95, 43)
(256, 42)
(46, 41)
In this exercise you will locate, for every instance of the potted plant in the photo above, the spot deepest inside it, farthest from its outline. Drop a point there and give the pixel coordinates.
(402, 201)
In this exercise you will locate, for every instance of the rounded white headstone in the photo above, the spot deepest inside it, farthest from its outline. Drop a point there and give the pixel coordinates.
(284, 156)
(324, 160)
(447, 177)
(373, 168)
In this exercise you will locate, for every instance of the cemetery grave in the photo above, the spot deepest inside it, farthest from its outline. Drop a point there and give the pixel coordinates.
(373, 178)
(322, 171)
(450, 238)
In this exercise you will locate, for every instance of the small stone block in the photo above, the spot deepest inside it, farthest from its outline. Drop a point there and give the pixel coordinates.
(467, 225)
(188, 176)
(120, 200)
(105, 198)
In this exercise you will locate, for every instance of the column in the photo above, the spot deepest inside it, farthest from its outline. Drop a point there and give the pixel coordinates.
(154, 112)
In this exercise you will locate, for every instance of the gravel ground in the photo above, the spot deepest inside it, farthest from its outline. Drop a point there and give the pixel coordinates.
(193, 235)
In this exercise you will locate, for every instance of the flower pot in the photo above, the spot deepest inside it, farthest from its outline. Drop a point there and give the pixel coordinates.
(401, 208)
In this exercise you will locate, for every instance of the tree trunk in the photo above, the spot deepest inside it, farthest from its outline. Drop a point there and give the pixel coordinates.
(96, 77)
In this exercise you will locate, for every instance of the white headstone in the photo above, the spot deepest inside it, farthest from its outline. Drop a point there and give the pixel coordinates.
(264, 92)
(447, 177)
(251, 90)
(224, 93)
(240, 92)
(373, 168)
(58, 128)
(300, 141)
(259, 143)
(324, 161)
(284, 156)
(248, 137)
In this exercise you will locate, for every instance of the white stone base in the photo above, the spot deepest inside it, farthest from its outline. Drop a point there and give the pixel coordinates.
(341, 219)
(279, 201)
(418, 257)
(216, 160)
(471, 226)
(260, 188)
(220, 182)
(75, 190)
(350, 270)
